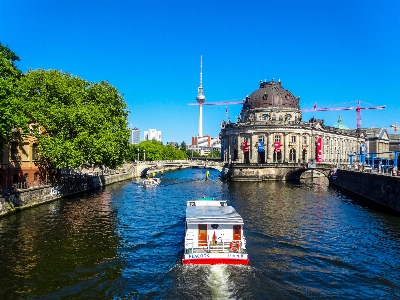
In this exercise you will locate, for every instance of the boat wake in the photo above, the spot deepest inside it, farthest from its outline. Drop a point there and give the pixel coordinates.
(218, 281)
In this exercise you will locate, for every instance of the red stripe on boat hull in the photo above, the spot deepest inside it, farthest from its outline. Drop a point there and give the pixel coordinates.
(215, 261)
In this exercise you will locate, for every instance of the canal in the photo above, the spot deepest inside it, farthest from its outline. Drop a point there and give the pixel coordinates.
(305, 240)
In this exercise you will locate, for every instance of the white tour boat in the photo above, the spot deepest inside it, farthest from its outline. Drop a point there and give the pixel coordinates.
(214, 233)
(151, 182)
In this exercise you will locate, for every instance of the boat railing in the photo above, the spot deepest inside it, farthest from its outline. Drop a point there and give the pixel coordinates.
(225, 246)
(189, 245)
(214, 247)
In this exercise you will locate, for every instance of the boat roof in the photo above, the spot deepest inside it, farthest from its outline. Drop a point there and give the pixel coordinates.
(210, 214)
(206, 202)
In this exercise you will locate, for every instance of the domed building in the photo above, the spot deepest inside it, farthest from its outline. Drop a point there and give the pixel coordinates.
(270, 130)
(340, 125)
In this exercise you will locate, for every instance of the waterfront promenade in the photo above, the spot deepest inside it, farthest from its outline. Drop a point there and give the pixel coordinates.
(25, 194)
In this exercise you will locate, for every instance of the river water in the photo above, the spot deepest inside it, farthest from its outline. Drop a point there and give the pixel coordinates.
(306, 240)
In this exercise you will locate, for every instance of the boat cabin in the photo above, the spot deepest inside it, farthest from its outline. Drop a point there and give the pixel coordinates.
(214, 227)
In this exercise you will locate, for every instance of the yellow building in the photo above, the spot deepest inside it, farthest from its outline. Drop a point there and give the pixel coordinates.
(19, 167)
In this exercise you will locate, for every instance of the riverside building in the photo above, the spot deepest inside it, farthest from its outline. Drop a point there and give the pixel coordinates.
(270, 129)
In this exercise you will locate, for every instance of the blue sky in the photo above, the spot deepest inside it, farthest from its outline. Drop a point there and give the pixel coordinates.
(328, 52)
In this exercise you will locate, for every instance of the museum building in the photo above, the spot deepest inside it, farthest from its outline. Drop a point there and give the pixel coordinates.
(270, 129)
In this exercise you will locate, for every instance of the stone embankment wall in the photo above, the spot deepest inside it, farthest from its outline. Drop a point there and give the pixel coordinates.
(379, 188)
(19, 199)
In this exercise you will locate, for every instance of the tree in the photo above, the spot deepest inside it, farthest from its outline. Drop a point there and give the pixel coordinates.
(12, 117)
(183, 146)
(76, 122)
(155, 151)
(214, 153)
(192, 153)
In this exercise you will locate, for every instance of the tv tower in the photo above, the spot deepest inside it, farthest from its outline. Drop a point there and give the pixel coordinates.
(200, 98)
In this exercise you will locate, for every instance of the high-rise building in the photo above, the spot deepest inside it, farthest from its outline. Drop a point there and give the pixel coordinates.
(134, 137)
(152, 134)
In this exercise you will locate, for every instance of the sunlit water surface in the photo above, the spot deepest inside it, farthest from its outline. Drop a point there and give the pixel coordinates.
(305, 240)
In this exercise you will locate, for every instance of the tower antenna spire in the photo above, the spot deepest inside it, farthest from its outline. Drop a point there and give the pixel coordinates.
(201, 71)
(200, 98)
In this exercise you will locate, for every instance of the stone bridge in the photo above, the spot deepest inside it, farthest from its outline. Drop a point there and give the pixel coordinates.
(273, 171)
(146, 168)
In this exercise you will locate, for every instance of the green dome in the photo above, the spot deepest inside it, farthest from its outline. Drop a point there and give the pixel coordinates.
(340, 125)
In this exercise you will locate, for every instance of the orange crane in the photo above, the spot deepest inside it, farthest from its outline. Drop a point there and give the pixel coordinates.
(357, 108)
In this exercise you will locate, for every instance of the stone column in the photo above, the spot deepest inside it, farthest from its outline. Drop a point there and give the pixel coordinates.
(253, 149)
(268, 147)
(286, 147)
(299, 153)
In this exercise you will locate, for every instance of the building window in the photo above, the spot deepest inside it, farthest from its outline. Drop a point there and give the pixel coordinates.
(277, 138)
(36, 176)
(14, 151)
(293, 138)
(304, 140)
(261, 138)
(34, 152)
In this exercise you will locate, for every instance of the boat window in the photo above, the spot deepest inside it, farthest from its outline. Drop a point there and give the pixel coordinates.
(223, 203)
(214, 226)
(192, 203)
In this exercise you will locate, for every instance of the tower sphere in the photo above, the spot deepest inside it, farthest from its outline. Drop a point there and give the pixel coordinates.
(200, 98)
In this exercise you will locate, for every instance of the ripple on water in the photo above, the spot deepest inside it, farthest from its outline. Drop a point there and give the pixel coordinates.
(305, 240)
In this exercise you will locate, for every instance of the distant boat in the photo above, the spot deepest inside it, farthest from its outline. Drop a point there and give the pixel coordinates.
(151, 182)
(214, 233)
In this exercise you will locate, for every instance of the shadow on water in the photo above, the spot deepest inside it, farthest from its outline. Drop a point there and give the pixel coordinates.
(365, 202)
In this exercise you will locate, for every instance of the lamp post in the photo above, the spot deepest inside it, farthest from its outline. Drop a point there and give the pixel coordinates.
(138, 154)
(144, 155)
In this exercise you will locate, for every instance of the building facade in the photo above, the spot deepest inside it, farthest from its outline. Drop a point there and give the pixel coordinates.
(134, 137)
(270, 129)
(152, 134)
(19, 164)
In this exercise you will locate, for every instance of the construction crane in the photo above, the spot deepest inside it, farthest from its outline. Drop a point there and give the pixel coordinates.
(231, 102)
(357, 108)
(394, 126)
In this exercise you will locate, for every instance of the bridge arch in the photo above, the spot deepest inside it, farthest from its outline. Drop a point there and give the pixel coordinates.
(296, 173)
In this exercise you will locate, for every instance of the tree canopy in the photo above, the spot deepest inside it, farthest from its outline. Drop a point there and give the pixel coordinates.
(155, 151)
(11, 113)
(77, 122)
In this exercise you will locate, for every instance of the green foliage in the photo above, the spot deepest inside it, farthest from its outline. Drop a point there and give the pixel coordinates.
(214, 154)
(154, 151)
(11, 115)
(191, 153)
(183, 146)
(78, 122)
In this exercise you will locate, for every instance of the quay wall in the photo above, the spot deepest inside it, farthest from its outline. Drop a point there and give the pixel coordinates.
(376, 187)
(24, 198)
